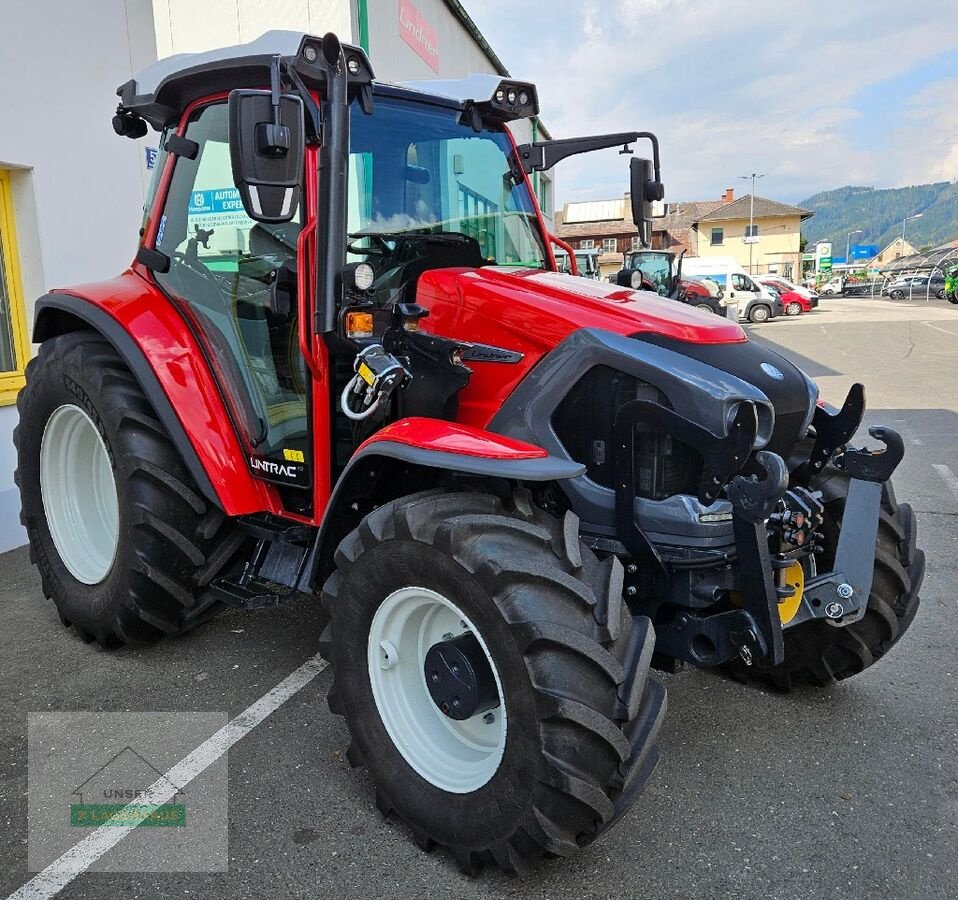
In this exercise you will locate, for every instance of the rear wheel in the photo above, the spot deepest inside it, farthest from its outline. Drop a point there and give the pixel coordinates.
(493, 681)
(941, 294)
(704, 307)
(759, 313)
(793, 308)
(819, 653)
(122, 537)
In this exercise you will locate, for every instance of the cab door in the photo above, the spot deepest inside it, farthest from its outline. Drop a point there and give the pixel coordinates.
(222, 274)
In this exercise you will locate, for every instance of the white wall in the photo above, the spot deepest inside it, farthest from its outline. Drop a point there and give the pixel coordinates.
(189, 26)
(77, 187)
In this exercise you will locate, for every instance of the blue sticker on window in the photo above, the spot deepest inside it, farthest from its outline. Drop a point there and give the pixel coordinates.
(160, 230)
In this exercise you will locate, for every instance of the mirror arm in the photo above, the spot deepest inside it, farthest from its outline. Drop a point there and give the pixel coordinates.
(312, 109)
(541, 155)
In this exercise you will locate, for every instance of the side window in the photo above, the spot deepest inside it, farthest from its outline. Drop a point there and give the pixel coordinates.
(718, 236)
(741, 283)
(222, 264)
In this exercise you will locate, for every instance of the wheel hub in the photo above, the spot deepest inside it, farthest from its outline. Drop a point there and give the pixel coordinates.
(415, 633)
(459, 678)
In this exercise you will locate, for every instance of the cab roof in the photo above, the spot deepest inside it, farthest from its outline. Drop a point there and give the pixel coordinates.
(162, 91)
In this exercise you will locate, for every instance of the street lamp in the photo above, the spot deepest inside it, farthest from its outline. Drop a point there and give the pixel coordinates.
(916, 216)
(848, 244)
(751, 213)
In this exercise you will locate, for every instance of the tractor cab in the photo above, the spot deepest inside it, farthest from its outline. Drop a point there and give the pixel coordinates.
(296, 207)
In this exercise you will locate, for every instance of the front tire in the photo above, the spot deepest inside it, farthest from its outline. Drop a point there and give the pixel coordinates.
(120, 533)
(576, 709)
(793, 308)
(759, 313)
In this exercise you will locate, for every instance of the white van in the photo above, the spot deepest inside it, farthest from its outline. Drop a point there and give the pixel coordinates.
(755, 302)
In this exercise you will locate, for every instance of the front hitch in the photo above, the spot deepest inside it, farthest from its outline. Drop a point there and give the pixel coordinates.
(754, 630)
(840, 597)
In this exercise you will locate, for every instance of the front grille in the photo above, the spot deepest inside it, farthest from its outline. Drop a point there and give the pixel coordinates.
(585, 421)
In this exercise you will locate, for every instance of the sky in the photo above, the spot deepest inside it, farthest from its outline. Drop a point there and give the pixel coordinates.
(813, 94)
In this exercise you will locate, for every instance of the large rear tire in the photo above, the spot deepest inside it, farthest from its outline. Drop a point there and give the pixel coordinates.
(820, 654)
(124, 551)
(577, 710)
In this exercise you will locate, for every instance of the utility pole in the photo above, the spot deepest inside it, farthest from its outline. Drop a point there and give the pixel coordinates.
(751, 214)
(916, 216)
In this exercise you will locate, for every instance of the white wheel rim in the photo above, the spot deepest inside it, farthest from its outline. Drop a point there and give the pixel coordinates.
(455, 756)
(79, 494)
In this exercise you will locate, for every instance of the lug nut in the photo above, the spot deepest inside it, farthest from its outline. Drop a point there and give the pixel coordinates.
(488, 718)
(845, 591)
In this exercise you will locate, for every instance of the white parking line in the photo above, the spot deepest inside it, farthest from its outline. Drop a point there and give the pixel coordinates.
(948, 477)
(82, 855)
(943, 330)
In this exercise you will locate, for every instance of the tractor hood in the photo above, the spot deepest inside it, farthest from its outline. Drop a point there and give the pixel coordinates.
(545, 307)
(521, 315)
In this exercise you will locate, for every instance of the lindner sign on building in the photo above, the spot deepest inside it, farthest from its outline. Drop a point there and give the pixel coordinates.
(416, 31)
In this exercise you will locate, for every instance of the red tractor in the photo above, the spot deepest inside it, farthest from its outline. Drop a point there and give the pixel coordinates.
(343, 364)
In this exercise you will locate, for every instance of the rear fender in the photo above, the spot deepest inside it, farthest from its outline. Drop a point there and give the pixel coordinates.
(417, 454)
(170, 367)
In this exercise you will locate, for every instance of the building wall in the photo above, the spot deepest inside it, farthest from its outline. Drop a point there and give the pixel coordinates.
(188, 26)
(778, 244)
(77, 188)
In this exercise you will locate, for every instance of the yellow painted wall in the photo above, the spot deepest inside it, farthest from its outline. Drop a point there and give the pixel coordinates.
(778, 242)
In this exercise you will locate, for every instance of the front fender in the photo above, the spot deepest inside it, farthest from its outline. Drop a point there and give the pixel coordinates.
(461, 448)
(169, 365)
(412, 455)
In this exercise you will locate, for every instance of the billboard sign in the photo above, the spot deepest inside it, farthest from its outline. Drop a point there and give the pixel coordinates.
(823, 256)
(864, 251)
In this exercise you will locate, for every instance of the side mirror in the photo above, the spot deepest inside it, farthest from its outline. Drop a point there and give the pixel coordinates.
(267, 149)
(644, 190)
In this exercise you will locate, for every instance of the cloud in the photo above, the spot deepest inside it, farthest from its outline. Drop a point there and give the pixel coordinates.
(810, 92)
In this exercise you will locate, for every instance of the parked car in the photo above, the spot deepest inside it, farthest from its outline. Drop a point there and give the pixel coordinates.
(755, 302)
(789, 287)
(795, 301)
(917, 286)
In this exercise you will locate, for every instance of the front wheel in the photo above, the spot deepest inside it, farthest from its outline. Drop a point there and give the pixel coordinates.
(759, 313)
(793, 308)
(493, 681)
(897, 295)
(940, 295)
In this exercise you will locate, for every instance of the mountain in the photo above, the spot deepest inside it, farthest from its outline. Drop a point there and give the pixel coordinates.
(879, 214)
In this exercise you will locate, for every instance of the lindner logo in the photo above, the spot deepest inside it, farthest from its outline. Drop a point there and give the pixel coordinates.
(419, 34)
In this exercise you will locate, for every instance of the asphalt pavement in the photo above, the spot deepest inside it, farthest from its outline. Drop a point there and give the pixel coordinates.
(850, 791)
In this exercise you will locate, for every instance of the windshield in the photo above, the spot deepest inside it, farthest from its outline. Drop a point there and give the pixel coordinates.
(656, 268)
(415, 169)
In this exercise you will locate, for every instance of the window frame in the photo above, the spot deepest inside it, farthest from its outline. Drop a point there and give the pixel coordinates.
(587, 244)
(12, 381)
(751, 230)
(605, 245)
(721, 237)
